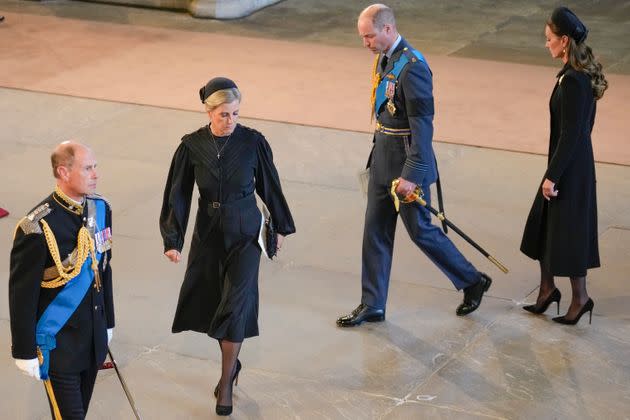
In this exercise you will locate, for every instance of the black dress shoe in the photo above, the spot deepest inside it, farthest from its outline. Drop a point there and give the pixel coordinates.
(360, 314)
(473, 295)
(588, 307)
(555, 296)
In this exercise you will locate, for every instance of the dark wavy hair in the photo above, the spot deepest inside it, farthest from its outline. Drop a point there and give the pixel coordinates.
(582, 59)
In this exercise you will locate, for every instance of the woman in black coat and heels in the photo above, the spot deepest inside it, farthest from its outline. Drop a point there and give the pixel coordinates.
(561, 230)
(229, 163)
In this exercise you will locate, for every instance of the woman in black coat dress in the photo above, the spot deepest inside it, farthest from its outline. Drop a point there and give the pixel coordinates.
(561, 230)
(228, 162)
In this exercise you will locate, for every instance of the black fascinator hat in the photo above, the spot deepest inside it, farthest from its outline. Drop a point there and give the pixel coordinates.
(215, 84)
(569, 24)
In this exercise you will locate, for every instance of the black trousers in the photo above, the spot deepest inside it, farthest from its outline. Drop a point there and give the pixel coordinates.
(73, 392)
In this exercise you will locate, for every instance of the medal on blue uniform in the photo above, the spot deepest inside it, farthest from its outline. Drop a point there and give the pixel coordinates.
(390, 90)
(103, 240)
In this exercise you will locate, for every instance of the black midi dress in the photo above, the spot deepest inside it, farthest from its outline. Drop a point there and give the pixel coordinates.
(219, 294)
(562, 233)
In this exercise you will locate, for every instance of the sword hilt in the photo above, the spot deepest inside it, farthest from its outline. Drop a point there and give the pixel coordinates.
(415, 195)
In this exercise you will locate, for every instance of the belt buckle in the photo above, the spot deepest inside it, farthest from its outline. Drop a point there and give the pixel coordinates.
(216, 204)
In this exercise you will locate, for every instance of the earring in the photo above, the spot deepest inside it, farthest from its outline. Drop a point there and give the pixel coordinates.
(564, 51)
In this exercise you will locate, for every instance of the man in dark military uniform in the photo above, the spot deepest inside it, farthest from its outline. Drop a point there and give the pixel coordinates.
(403, 106)
(60, 285)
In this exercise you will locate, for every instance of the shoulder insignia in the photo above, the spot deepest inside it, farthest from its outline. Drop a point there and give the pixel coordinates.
(30, 223)
(99, 197)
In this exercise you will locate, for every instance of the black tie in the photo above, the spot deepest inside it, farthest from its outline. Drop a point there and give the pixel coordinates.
(383, 63)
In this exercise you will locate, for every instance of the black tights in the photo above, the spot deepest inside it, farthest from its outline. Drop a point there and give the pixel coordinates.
(578, 288)
(229, 355)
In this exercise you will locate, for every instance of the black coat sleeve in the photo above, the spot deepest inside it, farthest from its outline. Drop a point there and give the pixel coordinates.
(572, 102)
(269, 189)
(28, 260)
(176, 201)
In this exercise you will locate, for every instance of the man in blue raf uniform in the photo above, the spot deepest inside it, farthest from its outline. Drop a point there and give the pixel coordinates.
(60, 285)
(403, 106)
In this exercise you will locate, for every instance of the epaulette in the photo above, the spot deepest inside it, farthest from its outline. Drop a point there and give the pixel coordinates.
(99, 197)
(410, 55)
(30, 223)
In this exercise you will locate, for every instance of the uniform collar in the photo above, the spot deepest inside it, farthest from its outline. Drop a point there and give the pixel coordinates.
(68, 203)
(393, 47)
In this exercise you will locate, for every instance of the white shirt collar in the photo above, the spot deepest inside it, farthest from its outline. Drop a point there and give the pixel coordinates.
(393, 47)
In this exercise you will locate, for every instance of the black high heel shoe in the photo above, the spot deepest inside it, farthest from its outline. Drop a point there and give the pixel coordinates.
(588, 307)
(553, 297)
(226, 410)
(223, 410)
(234, 378)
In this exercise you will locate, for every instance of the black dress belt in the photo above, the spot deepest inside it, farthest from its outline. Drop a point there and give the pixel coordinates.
(215, 205)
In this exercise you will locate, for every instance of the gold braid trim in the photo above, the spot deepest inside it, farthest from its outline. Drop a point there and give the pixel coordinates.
(85, 248)
(376, 80)
(68, 203)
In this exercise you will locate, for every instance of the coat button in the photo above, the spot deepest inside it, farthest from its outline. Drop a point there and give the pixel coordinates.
(96, 307)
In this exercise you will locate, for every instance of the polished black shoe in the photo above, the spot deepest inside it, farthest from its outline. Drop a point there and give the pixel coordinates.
(360, 314)
(553, 297)
(473, 295)
(588, 307)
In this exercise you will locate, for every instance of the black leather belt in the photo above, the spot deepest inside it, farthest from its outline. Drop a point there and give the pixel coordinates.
(216, 205)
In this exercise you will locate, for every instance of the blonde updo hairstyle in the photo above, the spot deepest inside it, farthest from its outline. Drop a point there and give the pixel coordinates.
(220, 97)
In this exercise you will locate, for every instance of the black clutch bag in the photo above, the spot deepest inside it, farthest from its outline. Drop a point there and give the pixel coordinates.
(268, 237)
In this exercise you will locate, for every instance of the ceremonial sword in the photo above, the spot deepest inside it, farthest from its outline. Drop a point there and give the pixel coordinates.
(417, 196)
(122, 382)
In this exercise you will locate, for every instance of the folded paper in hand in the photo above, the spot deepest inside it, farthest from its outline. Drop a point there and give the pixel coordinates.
(267, 237)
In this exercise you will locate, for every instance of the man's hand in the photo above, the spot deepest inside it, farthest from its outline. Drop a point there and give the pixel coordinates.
(110, 334)
(549, 189)
(405, 187)
(173, 255)
(29, 367)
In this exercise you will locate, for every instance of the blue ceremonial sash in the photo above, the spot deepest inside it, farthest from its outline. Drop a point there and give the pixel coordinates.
(66, 302)
(398, 67)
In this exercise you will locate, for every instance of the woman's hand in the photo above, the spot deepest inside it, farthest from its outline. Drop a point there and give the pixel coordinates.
(173, 255)
(548, 189)
(280, 239)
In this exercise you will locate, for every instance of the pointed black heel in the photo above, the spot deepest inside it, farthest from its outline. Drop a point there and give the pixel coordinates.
(226, 410)
(555, 296)
(588, 307)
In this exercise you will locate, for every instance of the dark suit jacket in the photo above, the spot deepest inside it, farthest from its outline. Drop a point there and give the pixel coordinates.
(83, 340)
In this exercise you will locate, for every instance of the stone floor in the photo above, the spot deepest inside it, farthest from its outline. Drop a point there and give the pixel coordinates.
(423, 362)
